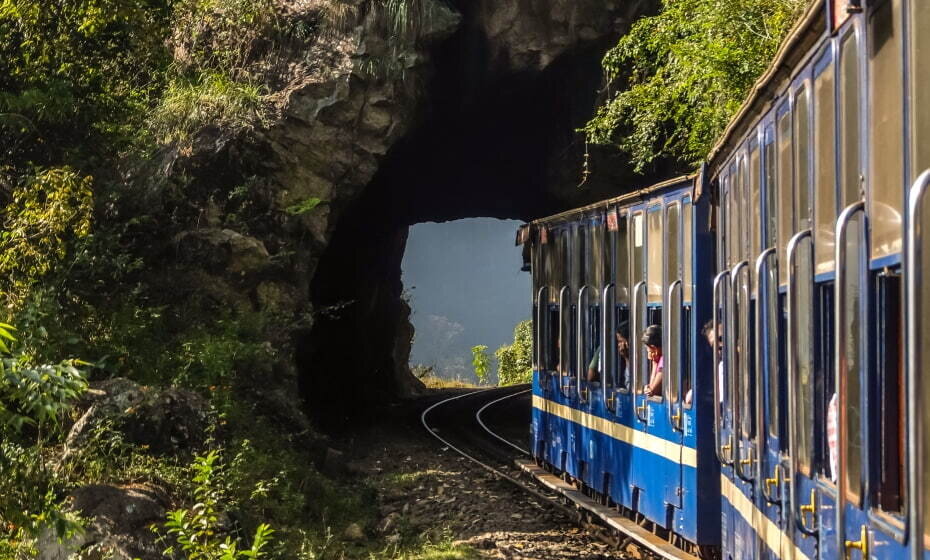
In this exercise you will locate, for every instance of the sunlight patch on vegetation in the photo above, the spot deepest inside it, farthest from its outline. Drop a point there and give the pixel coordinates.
(678, 77)
(212, 99)
(515, 361)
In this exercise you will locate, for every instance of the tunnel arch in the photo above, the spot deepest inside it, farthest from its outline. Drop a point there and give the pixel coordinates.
(493, 141)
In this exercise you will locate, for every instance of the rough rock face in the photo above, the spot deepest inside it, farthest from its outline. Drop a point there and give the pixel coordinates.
(168, 421)
(475, 118)
(119, 517)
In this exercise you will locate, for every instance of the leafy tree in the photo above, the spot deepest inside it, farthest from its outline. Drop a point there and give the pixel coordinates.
(683, 74)
(481, 362)
(515, 361)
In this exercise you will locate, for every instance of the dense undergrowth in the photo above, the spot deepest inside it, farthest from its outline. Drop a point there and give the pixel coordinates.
(100, 102)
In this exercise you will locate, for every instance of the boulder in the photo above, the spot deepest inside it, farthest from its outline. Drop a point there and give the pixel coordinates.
(162, 421)
(118, 528)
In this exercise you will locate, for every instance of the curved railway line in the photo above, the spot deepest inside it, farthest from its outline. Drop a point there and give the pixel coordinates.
(481, 428)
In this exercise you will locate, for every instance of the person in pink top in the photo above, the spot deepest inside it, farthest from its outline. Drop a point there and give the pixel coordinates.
(652, 338)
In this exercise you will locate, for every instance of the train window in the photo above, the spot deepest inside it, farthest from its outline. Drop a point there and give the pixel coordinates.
(598, 256)
(802, 158)
(886, 163)
(888, 444)
(638, 246)
(785, 202)
(745, 382)
(623, 294)
(672, 273)
(654, 244)
(770, 222)
(825, 375)
(621, 261)
(755, 204)
(770, 341)
(803, 327)
(745, 231)
(853, 353)
(724, 225)
(850, 168)
(920, 91)
(687, 262)
(824, 164)
(734, 216)
(577, 257)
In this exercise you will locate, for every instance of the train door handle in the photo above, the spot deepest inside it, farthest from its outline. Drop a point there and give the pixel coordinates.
(676, 420)
(641, 412)
(862, 545)
(810, 508)
(768, 483)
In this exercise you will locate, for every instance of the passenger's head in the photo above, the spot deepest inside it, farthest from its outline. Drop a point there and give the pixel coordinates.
(652, 338)
(712, 338)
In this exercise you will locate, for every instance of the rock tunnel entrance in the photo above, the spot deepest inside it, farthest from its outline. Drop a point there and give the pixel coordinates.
(494, 141)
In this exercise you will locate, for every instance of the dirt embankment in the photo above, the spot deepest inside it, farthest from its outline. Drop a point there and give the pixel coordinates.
(427, 491)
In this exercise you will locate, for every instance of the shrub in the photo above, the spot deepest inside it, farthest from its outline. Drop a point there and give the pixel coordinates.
(684, 72)
(515, 361)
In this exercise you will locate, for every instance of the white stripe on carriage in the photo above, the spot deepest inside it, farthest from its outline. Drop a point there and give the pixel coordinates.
(670, 450)
(773, 537)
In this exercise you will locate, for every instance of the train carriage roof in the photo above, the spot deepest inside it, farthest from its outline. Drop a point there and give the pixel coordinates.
(622, 200)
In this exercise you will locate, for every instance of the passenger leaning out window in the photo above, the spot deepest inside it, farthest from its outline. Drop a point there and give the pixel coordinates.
(652, 338)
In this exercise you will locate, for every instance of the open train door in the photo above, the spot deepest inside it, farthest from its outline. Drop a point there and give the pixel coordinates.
(676, 341)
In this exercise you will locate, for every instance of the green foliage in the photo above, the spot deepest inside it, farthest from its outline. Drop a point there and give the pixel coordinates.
(41, 222)
(75, 77)
(188, 106)
(304, 206)
(515, 361)
(481, 362)
(33, 399)
(683, 74)
(197, 531)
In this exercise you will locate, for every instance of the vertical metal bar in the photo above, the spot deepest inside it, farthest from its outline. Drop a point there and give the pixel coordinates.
(737, 379)
(542, 330)
(636, 343)
(719, 281)
(564, 354)
(581, 362)
(842, 224)
(608, 345)
(761, 301)
(913, 304)
(672, 349)
(790, 343)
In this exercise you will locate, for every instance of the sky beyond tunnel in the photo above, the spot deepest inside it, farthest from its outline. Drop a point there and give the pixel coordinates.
(464, 284)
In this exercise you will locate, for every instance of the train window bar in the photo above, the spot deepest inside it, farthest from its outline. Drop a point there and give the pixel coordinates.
(917, 269)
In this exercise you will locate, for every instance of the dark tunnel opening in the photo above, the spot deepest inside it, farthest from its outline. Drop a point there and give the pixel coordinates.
(492, 143)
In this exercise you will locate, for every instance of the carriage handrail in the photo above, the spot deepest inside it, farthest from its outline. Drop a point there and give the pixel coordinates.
(635, 354)
(734, 379)
(674, 363)
(542, 327)
(913, 304)
(581, 357)
(842, 225)
(718, 361)
(608, 354)
(564, 353)
(791, 251)
(762, 270)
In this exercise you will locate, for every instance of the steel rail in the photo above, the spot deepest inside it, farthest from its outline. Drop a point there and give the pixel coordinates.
(495, 435)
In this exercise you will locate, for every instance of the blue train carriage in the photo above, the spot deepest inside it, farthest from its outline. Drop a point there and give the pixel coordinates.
(822, 430)
(647, 258)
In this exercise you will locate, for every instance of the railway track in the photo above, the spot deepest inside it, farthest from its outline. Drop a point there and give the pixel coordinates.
(488, 427)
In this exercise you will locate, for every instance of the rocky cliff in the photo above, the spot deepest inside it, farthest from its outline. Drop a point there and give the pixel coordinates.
(475, 116)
